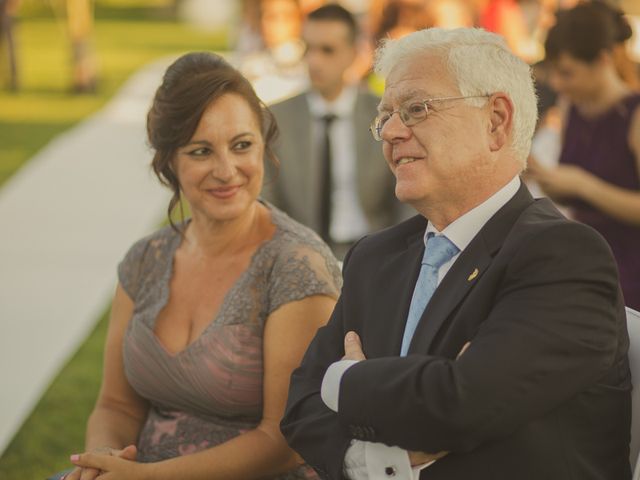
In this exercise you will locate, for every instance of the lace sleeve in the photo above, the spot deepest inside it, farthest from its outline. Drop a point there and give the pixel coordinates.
(130, 268)
(302, 271)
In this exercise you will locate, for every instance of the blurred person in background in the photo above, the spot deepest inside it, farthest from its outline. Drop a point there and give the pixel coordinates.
(450, 13)
(8, 53)
(598, 175)
(211, 314)
(333, 176)
(80, 26)
(401, 17)
(393, 19)
(506, 17)
(275, 69)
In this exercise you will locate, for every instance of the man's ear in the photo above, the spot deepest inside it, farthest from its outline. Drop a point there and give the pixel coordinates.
(500, 120)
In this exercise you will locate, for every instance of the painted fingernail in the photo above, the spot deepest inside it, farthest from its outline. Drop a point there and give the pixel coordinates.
(75, 457)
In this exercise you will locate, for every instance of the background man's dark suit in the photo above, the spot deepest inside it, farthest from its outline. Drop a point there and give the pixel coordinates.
(543, 391)
(296, 188)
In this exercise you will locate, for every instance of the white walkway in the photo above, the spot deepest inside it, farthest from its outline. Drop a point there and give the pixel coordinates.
(67, 219)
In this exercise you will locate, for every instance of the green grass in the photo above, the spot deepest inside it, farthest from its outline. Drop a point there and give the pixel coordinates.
(128, 34)
(55, 429)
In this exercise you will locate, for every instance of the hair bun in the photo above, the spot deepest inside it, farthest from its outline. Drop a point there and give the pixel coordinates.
(624, 31)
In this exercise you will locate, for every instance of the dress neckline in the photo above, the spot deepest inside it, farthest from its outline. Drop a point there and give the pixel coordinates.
(175, 241)
(621, 105)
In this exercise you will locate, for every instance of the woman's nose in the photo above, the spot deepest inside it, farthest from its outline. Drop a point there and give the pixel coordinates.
(223, 168)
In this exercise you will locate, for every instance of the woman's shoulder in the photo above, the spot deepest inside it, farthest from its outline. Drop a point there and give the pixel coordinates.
(300, 263)
(292, 236)
(157, 243)
(147, 258)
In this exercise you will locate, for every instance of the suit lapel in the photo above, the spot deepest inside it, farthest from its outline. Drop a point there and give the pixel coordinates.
(307, 161)
(467, 270)
(457, 283)
(401, 268)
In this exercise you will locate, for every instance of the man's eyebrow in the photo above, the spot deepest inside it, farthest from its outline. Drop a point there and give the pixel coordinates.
(416, 94)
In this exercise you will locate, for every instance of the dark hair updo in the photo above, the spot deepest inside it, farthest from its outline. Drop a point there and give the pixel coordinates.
(586, 30)
(188, 87)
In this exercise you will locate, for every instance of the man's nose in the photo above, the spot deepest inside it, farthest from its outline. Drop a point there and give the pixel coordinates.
(395, 130)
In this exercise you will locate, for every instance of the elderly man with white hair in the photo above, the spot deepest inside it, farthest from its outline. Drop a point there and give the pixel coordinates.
(484, 338)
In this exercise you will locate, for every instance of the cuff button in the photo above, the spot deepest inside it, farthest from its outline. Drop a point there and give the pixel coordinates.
(390, 471)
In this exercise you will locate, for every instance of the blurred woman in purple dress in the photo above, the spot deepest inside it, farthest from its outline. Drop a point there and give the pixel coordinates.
(598, 175)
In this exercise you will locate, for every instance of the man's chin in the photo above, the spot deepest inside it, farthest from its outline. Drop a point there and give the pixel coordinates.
(406, 196)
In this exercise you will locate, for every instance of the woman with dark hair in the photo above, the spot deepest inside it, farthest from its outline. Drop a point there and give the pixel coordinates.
(211, 314)
(598, 175)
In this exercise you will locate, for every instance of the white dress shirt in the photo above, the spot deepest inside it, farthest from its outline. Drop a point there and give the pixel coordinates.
(374, 461)
(348, 221)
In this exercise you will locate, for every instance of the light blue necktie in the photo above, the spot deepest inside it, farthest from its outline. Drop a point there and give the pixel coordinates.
(439, 250)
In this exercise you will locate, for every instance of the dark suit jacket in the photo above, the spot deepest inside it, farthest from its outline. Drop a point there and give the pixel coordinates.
(295, 188)
(542, 393)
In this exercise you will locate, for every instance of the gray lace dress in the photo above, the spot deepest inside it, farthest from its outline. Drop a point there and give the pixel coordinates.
(211, 391)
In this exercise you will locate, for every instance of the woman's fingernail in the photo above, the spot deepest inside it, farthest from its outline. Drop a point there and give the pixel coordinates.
(75, 457)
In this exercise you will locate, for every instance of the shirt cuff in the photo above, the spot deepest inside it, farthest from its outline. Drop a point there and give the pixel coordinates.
(330, 390)
(385, 462)
(377, 461)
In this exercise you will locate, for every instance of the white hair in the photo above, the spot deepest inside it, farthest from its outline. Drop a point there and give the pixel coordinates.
(481, 63)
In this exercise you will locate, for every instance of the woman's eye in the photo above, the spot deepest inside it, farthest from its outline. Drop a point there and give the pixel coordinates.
(244, 145)
(200, 152)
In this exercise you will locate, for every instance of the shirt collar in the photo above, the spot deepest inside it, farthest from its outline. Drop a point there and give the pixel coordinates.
(463, 229)
(342, 106)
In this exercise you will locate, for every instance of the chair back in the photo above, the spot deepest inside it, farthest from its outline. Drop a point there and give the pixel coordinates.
(633, 326)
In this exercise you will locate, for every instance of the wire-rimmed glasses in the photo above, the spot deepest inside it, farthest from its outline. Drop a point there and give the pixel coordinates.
(410, 114)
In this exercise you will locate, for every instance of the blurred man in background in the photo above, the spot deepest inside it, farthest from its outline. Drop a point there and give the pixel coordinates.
(333, 176)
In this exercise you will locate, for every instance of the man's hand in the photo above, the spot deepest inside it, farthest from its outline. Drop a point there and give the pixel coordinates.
(353, 347)
(420, 458)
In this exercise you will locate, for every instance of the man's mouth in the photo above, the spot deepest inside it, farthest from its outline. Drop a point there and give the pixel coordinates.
(405, 160)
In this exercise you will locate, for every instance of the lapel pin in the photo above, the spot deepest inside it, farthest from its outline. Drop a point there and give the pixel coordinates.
(473, 275)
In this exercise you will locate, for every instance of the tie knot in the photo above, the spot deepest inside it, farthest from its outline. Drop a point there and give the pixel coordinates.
(439, 251)
(328, 118)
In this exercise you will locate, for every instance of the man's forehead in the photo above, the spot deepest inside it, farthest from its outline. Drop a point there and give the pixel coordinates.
(424, 77)
(330, 31)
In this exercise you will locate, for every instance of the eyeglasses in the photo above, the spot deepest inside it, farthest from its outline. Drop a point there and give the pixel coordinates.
(410, 114)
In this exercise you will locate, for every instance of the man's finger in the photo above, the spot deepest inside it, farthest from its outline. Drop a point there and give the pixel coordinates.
(420, 458)
(353, 347)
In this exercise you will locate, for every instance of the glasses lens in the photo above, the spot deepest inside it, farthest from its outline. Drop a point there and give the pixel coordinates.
(378, 125)
(414, 113)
